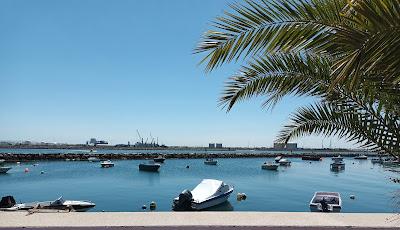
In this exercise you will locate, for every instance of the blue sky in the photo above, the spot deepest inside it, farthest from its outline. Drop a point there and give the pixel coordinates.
(71, 70)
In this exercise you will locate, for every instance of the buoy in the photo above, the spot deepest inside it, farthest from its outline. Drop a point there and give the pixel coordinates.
(153, 205)
(352, 197)
(18, 162)
(26, 170)
(42, 172)
(241, 196)
(187, 166)
(144, 207)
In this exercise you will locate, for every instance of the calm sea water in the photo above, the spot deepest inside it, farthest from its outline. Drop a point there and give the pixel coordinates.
(125, 188)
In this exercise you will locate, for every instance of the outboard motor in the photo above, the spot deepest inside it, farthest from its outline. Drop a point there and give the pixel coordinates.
(183, 202)
(7, 202)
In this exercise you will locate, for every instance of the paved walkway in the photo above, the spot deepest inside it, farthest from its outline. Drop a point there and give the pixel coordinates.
(201, 220)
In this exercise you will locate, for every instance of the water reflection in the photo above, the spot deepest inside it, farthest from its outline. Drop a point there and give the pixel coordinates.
(226, 206)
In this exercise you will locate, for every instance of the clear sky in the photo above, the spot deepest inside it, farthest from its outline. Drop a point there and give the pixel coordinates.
(75, 69)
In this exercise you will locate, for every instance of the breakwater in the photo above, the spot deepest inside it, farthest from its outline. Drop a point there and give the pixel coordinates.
(13, 157)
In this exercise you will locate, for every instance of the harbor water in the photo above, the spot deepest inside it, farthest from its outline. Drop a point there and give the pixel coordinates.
(125, 188)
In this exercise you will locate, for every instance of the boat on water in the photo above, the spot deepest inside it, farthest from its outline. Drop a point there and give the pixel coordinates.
(338, 165)
(208, 193)
(4, 169)
(278, 158)
(269, 166)
(337, 158)
(311, 158)
(361, 157)
(93, 159)
(8, 204)
(210, 161)
(326, 202)
(285, 162)
(159, 159)
(150, 166)
(107, 164)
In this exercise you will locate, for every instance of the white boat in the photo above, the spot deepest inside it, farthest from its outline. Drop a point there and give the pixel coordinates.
(284, 162)
(361, 157)
(338, 165)
(326, 202)
(210, 161)
(107, 164)
(337, 158)
(8, 204)
(2, 161)
(4, 169)
(269, 166)
(207, 194)
(93, 159)
(278, 158)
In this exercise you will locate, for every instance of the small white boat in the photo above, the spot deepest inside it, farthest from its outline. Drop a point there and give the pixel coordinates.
(93, 159)
(278, 158)
(269, 166)
(326, 202)
(361, 157)
(337, 158)
(107, 164)
(2, 161)
(210, 161)
(284, 162)
(4, 169)
(208, 193)
(338, 165)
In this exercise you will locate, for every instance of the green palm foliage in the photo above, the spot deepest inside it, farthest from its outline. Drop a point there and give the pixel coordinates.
(344, 53)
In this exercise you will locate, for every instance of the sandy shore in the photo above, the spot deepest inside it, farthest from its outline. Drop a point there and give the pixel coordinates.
(148, 219)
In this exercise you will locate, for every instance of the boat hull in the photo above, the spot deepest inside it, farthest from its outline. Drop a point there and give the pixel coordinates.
(315, 208)
(212, 202)
(269, 167)
(159, 160)
(210, 162)
(4, 169)
(149, 168)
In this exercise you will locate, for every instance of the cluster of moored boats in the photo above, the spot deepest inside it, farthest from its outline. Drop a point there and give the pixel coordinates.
(150, 166)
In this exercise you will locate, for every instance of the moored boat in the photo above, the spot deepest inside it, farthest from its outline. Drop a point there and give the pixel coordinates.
(311, 158)
(337, 158)
(278, 158)
(159, 159)
(269, 166)
(4, 169)
(338, 165)
(150, 166)
(107, 164)
(210, 161)
(326, 202)
(361, 157)
(208, 193)
(285, 162)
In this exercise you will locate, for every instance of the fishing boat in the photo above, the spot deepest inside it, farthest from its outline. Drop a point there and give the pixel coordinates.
(278, 158)
(150, 166)
(208, 193)
(8, 204)
(311, 158)
(326, 202)
(93, 159)
(4, 169)
(210, 161)
(107, 164)
(361, 157)
(269, 166)
(338, 165)
(284, 162)
(159, 159)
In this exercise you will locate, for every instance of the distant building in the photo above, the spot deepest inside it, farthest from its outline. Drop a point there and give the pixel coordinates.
(283, 146)
(95, 142)
(211, 145)
(218, 145)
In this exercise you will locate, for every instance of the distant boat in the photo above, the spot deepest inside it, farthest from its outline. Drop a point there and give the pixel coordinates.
(337, 158)
(210, 161)
(207, 194)
(269, 166)
(326, 202)
(284, 162)
(151, 166)
(107, 164)
(278, 158)
(93, 159)
(8, 204)
(311, 158)
(361, 157)
(4, 169)
(159, 159)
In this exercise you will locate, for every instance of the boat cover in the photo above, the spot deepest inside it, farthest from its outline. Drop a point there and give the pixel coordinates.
(206, 189)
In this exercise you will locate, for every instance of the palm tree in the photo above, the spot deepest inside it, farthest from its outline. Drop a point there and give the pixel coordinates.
(346, 54)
